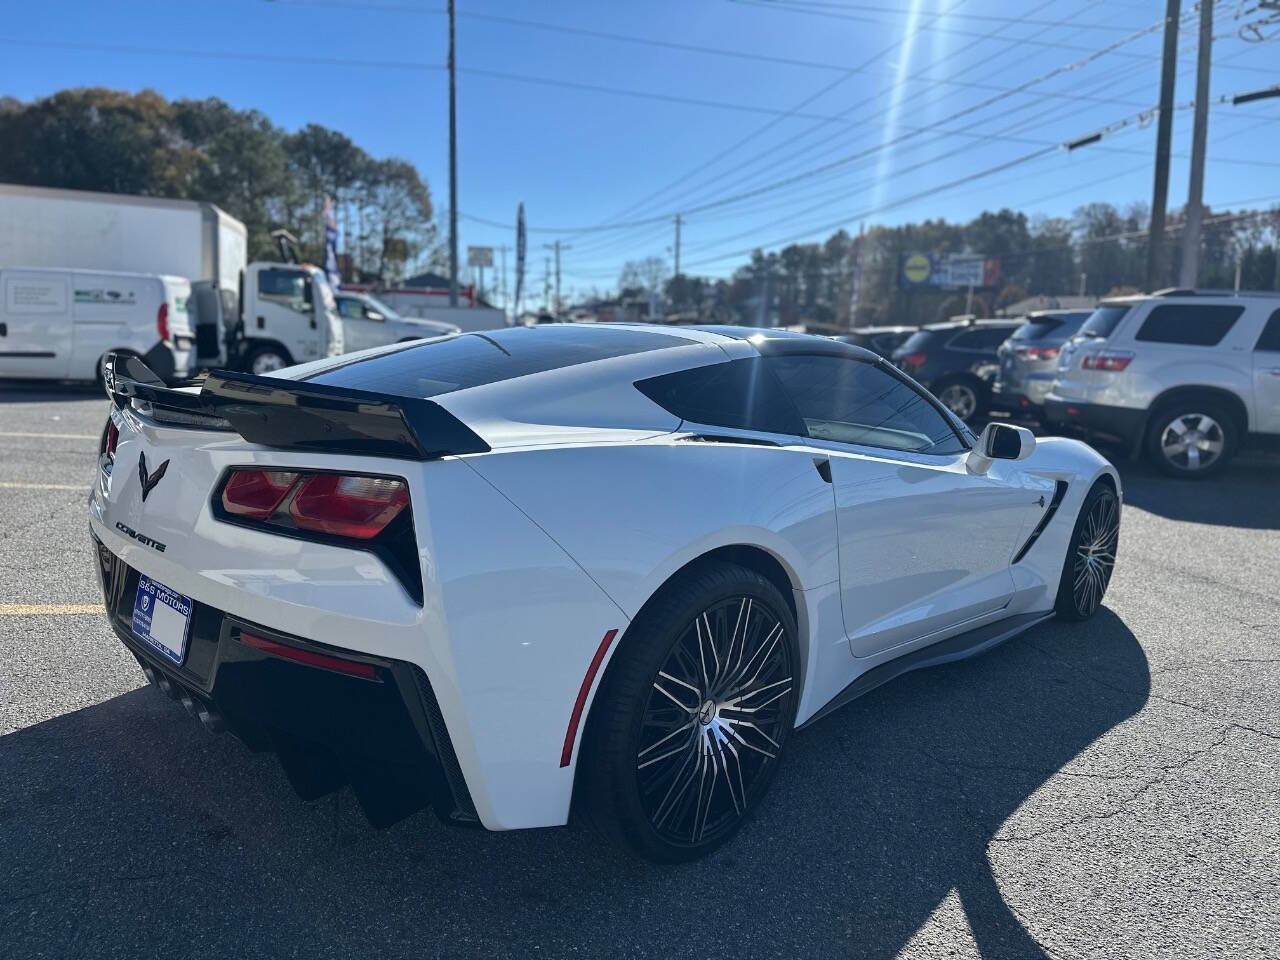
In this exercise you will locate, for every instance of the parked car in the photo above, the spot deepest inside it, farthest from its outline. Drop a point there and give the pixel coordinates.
(1029, 360)
(881, 340)
(59, 324)
(957, 361)
(1186, 376)
(506, 572)
(368, 322)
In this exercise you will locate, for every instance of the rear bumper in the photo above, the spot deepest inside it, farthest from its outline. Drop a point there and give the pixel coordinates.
(1026, 393)
(1125, 424)
(384, 734)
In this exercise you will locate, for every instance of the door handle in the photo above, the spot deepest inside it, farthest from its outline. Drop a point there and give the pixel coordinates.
(4, 329)
(824, 468)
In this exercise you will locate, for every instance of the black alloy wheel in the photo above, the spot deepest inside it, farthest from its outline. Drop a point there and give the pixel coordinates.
(694, 714)
(1091, 556)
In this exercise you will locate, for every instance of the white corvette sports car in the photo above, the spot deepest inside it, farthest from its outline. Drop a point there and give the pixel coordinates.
(605, 567)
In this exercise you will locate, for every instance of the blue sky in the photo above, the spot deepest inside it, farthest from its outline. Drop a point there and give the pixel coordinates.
(887, 97)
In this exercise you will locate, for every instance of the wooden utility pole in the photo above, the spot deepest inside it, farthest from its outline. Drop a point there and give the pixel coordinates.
(1164, 131)
(453, 170)
(1190, 272)
(678, 221)
(557, 247)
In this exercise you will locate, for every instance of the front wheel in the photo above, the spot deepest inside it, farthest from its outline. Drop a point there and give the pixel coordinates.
(1091, 555)
(267, 359)
(695, 714)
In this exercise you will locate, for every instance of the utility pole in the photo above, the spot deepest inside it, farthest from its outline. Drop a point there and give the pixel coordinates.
(502, 282)
(1164, 131)
(546, 284)
(557, 247)
(678, 221)
(1199, 134)
(453, 170)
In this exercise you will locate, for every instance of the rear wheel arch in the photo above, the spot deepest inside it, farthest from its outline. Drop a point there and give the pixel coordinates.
(1189, 394)
(748, 556)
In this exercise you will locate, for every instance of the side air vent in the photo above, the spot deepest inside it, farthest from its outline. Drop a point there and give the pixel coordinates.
(1059, 491)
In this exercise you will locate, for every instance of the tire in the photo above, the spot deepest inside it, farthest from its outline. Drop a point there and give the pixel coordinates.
(1213, 437)
(965, 397)
(1091, 555)
(266, 359)
(640, 791)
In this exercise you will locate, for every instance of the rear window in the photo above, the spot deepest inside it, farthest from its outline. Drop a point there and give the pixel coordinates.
(474, 359)
(1103, 320)
(1192, 324)
(737, 393)
(984, 339)
(916, 342)
(1035, 329)
(1270, 339)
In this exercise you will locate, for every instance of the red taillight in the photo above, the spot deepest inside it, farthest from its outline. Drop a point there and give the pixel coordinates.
(347, 506)
(1038, 353)
(256, 494)
(915, 359)
(113, 438)
(312, 659)
(162, 321)
(1110, 360)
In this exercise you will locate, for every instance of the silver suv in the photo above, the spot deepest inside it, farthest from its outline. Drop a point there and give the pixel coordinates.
(1185, 376)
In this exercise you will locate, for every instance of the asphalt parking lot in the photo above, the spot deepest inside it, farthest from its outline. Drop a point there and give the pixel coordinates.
(1107, 789)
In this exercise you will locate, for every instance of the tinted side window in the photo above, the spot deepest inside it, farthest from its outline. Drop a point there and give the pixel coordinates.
(852, 401)
(985, 340)
(351, 309)
(1270, 339)
(738, 393)
(1200, 325)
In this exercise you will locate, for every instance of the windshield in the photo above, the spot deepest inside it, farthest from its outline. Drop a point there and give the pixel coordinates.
(381, 307)
(1103, 320)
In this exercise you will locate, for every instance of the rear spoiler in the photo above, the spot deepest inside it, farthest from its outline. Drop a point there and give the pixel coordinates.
(296, 415)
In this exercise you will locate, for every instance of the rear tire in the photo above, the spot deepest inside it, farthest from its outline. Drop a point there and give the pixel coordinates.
(967, 398)
(1091, 555)
(678, 754)
(1192, 438)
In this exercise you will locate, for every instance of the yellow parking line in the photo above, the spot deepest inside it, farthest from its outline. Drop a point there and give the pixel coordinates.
(4, 485)
(48, 609)
(53, 436)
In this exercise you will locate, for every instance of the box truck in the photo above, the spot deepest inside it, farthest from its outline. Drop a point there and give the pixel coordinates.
(258, 316)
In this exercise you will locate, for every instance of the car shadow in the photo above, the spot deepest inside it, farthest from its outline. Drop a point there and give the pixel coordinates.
(1242, 495)
(129, 831)
(42, 391)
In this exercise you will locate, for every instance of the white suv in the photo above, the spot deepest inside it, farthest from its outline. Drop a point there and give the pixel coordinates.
(1184, 375)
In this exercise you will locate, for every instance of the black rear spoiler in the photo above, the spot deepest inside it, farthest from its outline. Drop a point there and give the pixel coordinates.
(297, 415)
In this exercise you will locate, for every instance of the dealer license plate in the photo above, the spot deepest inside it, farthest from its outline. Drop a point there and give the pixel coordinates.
(162, 618)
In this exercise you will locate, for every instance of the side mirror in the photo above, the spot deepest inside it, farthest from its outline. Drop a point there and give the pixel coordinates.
(373, 315)
(1000, 441)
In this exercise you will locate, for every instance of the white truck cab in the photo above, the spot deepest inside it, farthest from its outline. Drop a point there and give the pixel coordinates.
(286, 314)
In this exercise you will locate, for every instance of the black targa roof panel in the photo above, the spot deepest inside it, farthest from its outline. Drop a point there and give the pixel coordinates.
(474, 359)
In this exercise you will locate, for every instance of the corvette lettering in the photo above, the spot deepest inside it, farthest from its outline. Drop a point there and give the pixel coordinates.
(142, 538)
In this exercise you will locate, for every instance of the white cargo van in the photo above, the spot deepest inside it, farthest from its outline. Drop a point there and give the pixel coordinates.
(59, 324)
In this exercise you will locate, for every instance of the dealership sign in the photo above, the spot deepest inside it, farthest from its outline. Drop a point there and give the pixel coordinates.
(952, 270)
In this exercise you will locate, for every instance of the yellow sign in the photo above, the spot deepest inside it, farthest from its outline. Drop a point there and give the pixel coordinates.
(917, 268)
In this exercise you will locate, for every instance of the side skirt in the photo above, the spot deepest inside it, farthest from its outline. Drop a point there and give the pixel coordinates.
(960, 647)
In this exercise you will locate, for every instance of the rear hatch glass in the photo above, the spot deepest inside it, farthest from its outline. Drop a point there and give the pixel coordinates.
(915, 343)
(1035, 329)
(474, 359)
(1103, 320)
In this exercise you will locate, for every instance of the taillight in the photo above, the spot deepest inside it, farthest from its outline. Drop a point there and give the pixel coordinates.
(311, 658)
(914, 359)
(1109, 360)
(346, 506)
(1037, 353)
(162, 321)
(113, 438)
(342, 505)
(256, 494)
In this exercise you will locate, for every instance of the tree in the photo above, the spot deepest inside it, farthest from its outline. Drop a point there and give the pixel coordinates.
(647, 274)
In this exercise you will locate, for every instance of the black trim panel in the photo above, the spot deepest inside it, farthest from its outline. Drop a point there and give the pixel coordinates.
(27, 354)
(961, 646)
(1059, 491)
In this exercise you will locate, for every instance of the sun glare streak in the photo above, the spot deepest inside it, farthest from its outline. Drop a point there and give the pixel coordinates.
(889, 129)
